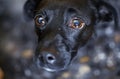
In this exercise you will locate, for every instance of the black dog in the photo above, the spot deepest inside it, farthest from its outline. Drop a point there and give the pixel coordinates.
(63, 27)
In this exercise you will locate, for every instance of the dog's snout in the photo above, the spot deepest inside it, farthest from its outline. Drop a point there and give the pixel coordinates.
(53, 53)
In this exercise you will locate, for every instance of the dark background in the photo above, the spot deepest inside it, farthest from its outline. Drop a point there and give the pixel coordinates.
(99, 59)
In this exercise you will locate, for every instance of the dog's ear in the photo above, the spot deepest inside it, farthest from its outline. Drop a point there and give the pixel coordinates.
(105, 12)
(29, 8)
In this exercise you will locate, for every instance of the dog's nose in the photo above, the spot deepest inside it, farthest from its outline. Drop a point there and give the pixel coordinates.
(48, 58)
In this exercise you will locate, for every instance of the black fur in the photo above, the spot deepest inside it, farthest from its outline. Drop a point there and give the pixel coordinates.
(29, 9)
(57, 40)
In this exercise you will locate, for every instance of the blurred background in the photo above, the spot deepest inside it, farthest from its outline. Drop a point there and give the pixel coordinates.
(99, 59)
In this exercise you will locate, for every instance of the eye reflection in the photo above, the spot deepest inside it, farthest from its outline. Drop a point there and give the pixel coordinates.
(40, 21)
(76, 23)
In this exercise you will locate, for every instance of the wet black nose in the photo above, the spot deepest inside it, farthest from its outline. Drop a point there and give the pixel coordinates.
(47, 58)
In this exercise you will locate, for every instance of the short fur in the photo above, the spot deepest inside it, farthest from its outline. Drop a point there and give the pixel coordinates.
(57, 38)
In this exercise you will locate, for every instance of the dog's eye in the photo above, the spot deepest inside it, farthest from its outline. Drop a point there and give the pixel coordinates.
(40, 21)
(76, 23)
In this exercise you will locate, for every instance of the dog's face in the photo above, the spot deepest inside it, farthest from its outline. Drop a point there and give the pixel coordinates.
(62, 26)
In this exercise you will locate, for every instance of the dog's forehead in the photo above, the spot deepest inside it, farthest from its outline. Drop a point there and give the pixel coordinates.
(59, 6)
(58, 10)
(54, 4)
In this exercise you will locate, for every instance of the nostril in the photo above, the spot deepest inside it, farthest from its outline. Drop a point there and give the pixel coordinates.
(50, 59)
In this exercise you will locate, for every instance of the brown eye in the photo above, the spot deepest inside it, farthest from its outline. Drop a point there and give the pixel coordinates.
(76, 23)
(40, 21)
